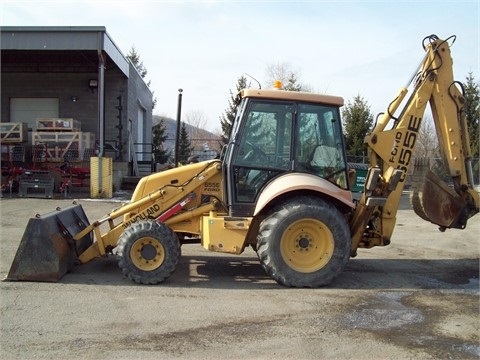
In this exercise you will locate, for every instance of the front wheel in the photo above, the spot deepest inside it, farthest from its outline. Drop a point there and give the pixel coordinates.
(304, 242)
(148, 252)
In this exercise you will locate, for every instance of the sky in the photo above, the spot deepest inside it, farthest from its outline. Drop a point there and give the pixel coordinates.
(343, 48)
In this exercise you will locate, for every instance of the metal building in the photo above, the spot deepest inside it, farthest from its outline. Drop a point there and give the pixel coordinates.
(78, 74)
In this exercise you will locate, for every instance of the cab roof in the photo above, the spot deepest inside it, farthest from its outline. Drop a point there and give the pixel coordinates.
(292, 95)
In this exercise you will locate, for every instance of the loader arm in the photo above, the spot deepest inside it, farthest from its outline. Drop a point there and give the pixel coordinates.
(391, 155)
(158, 204)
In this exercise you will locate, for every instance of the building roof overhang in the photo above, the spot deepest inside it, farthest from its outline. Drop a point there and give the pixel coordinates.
(74, 45)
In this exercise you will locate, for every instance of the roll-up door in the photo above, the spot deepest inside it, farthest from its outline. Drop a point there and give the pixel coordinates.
(27, 110)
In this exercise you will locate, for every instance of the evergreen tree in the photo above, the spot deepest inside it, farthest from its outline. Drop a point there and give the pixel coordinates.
(227, 118)
(472, 112)
(134, 57)
(185, 147)
(292, 83)
(160, 155)
(358, 121)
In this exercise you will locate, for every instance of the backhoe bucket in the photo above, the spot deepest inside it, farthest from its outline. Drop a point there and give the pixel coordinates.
(47, 250)
(436, 202)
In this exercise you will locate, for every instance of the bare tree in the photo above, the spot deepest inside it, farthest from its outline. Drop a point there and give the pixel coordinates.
(196, 118)
(200, 138)
(198, 122)
(427, 142)
(289, 77)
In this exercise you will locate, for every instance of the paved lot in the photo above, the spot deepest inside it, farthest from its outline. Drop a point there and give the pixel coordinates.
(415, 299)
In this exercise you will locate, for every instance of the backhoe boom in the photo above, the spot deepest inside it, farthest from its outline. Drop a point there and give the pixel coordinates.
(392, 151)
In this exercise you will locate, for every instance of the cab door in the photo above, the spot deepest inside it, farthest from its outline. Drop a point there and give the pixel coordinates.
(261, 150)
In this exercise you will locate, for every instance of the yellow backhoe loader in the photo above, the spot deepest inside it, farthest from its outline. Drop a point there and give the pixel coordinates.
(282, 185)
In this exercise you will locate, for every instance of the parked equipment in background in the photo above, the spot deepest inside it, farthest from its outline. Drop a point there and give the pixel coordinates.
(36, 182)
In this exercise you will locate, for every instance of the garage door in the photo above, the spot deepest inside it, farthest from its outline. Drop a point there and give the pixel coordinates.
(27, 110)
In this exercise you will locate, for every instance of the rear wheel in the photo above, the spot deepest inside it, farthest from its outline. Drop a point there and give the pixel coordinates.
(148, 252)
(304, 242)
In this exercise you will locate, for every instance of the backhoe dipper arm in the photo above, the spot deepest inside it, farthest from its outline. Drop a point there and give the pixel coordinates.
(391, 154)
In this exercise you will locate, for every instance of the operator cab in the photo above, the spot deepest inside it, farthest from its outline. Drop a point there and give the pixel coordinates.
(277, 132)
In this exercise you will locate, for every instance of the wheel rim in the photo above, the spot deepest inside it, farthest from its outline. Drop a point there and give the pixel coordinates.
(307, 245)
(147, 253)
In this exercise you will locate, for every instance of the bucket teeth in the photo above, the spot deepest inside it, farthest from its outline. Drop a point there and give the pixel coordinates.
(47, 250)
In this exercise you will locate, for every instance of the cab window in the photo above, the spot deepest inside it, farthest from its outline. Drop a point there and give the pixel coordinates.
(319, 143)
(264, 148)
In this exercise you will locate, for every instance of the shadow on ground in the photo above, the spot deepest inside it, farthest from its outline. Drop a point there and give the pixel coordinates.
(247, 273)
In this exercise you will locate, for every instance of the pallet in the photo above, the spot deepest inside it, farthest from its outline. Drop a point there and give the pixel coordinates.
(13, 133)
(61, 146)
(58, 124)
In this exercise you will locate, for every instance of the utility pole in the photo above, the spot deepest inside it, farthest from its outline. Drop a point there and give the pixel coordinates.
(177, 134)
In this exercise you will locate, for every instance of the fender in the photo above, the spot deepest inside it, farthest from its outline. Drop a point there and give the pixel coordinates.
(299, 181)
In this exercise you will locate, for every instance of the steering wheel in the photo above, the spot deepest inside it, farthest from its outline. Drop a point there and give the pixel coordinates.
(254, 154)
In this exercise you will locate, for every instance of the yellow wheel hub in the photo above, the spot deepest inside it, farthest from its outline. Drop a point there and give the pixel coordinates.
(307, 245)
(147, 253)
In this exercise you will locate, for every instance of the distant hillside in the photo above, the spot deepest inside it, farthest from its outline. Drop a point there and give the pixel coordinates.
(202, 140)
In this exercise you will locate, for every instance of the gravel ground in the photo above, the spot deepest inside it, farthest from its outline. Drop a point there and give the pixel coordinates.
(415, 299)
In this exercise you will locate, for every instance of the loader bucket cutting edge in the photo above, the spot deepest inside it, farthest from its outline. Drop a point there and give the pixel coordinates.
(47, 250)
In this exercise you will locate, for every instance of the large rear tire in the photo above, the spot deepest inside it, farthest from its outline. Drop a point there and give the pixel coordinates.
(304, 242)
(148, 252)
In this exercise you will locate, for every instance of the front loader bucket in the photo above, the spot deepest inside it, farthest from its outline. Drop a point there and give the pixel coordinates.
(47, 250)
(434, 201)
